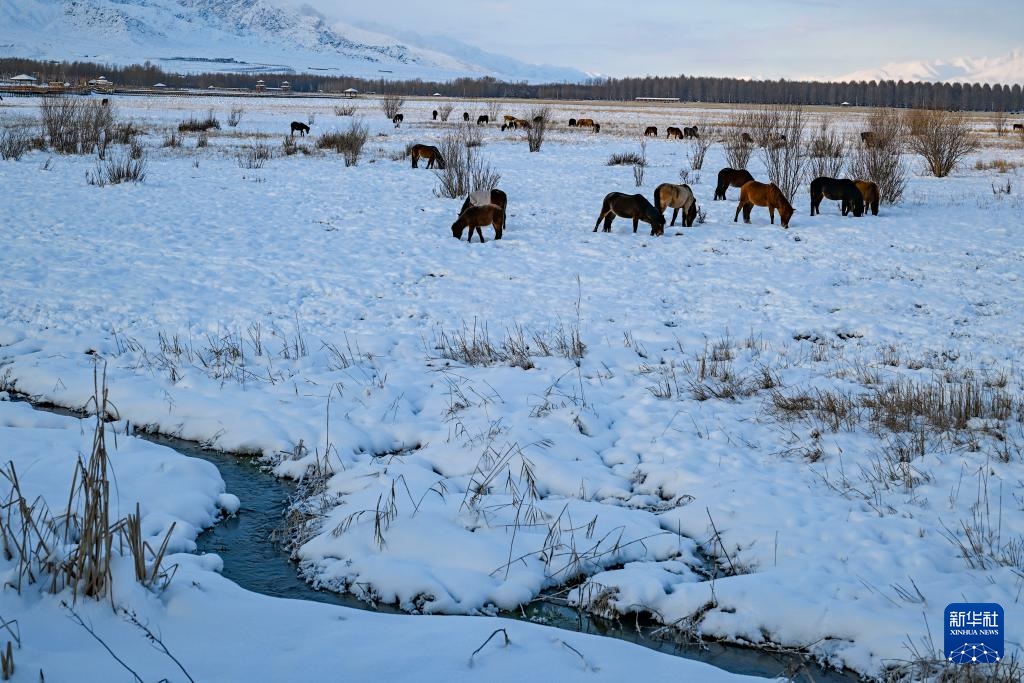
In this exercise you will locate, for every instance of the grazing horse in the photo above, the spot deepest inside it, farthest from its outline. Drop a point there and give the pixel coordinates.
(398, 120)
(842, 190)
(584, 123)
(435, 115)
(597, 127)
(673, 132)
(745, 137)
(1018, 126)
(754, 194)
(868, 138)
(483, 120)
(465, 116)
(633, 206)
(508, 118)
(538, 118)
(869, 191)
(475, 217)
(301, 127)
(678, 197)
(572, 123)
(651, 132)
(690, 132)
(431, 154)
(731, 177)
(483, 197)
(104, 102)
(520, 123)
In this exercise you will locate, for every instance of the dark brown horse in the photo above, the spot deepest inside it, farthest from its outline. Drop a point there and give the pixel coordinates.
(761, 194)
(633, 206)
(584, 123)
(465, 116)
(690, 132)
(483, 120)
(869, 191)
(597, 127)
(397, 120)
(731, 177)
(745, 137)
(431, 154)
(435, 115)
(475, 217)
(301, 127)
(651, 132)
(839, 189)
(673, 132)
(868, 138)
(482, 197)
(677, 197)
(1019, 126)
(572, 123)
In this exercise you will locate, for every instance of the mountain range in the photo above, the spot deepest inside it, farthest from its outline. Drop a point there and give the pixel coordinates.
(188, 36)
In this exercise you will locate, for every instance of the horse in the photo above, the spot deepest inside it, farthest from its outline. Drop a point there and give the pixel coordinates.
(651, 132)
(690, 132)
(521, 123)
(538, 118)
(435, 115)
(572, 123)
(301, 127)
(508, 118)
(465, 116)
(754, 194)
(678, 197)
(841, 189)
(868, 138)
(745, 137)
(597, 127)
(869, 191)
(104, 102)
(483, 120)
(584, 123)
(431, 154)
(673, 132)
(477, 216)
(731, 177)
(397, 120)
(483, 197)
(633, 206)
(1018, 126)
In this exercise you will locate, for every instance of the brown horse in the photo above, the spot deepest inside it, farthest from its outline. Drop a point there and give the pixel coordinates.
(731, 177)
(483, 197)
(838, 189)
(301, 127)
(745, 137)
(690, 132)
(869, 191)
(633, 206)
(673, 132)
(431, 154)
(508, 118)
(754, 194)
(1019, 126)
(651, 132)
(584, 123)
(678, 197)
(475, 217)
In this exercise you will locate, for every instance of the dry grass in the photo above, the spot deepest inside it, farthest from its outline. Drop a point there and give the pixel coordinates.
(126, 167)
(474, 345)
(1000, 165)
(196, 125)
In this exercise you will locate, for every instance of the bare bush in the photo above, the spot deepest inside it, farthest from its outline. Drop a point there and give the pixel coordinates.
(235, 117)
(345, 110)
(493, 110)
(783, 154)
(472, 136)
(737, 149)
(196, 125)
(764, 123)
(445, 110)
(535, 133)
(881, 159)
(202, 140)
(941, 138)
(288, 147)
(625, 159)
(391, 105)
(464, 171)
(76, 127)
(254, 156)
(14, 143)
(349, 142)
(826, 152)
(698, 147)
(119, 168)
(638, 168)
(171, 140)
(999, 121)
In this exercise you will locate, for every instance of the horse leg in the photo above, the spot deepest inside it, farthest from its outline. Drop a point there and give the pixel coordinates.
(414, 161)
(599, 219)
(499, 225)
(738, 207)
(771, 213)
(747, 208)
(609, 217)
(636, 222)
(675, 212)
(480, 233)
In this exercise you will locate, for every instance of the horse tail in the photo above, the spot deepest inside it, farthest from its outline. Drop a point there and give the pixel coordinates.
(657, 199)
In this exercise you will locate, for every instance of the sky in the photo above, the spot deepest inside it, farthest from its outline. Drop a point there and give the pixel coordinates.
(767, 39)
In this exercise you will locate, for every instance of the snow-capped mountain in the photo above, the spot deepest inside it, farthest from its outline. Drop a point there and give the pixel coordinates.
(237, 35)
(1007, 69)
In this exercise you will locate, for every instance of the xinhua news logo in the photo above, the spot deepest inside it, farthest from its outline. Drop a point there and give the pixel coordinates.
(974, 632)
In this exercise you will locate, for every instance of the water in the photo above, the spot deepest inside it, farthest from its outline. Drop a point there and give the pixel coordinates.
(254, 561)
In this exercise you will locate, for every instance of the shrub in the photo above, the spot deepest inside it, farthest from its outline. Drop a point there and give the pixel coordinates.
(783, 154)
(881, 161)
(391, 105)
(699, 147)
(235, 116)
(445, 110)
(349, 143)
(194, 125)
(288, 147)
(119, 168)
(171, 140)
(14, 143)
(254, 156)
(737, 150)
(76, 127)
(538, 124)
(345, 110)
(826, 152)
(464, 172)
(626, 159)
(941, 138)
(202, 140)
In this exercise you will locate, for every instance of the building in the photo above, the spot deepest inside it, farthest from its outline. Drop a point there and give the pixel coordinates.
(286, 86)
(261, 86)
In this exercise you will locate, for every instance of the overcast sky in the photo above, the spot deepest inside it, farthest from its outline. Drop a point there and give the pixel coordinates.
(770, 38)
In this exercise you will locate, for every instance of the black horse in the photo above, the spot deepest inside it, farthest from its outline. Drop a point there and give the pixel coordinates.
(482, 120)
(839, 189)
(731, 177)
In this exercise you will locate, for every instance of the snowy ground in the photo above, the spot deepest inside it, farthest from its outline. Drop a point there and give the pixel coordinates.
(726, 420)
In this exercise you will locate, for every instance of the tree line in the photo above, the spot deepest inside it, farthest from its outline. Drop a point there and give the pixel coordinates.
(886, 93)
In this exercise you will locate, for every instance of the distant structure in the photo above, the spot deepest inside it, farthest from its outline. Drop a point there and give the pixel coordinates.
(350, 92)
(261, 86)
(286, 86)
(160, 85)
(657, 99)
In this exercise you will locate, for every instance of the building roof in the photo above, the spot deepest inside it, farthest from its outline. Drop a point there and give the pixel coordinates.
(23, 77)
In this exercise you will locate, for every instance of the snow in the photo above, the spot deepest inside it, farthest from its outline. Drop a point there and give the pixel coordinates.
(297, 311)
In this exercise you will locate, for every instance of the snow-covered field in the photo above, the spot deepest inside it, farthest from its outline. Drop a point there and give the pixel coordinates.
(760, 442)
